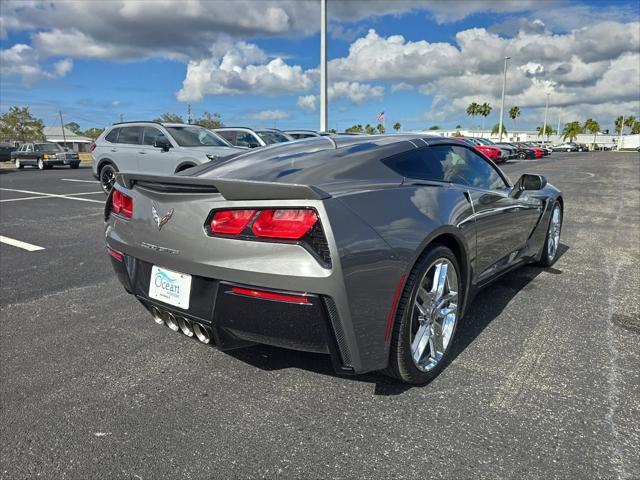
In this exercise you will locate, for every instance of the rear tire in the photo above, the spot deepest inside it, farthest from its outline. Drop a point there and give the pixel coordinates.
(552, 239)
(75, 165)
(426, 318)
(19, 164)
(107, 177)
(41, 165)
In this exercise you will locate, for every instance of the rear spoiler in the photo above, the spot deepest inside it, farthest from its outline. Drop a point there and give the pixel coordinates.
(230, 189)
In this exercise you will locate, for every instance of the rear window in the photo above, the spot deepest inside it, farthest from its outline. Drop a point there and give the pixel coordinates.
(130, 135)
(112, 136)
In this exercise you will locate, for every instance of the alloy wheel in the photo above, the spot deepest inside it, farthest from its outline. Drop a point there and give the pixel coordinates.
(434, 315)
(107, 179)
(555, 225)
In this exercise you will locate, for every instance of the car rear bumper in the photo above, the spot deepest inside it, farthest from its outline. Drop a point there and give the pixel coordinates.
(237, 320)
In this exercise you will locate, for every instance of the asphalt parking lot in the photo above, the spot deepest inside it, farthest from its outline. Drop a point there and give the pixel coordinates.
(545, 382)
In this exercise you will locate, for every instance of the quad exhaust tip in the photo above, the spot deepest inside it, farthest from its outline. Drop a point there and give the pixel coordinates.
(185, 326)
(201, 333)
(170, 320)
(180, 324)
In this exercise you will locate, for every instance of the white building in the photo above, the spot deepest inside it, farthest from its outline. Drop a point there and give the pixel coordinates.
(71, 140)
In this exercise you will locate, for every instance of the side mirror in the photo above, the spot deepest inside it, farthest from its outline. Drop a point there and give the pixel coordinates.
(529, 182)
(162, 143)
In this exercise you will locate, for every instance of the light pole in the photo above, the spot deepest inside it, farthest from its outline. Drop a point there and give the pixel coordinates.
(324, 117)
(504, 88)
(546, 110)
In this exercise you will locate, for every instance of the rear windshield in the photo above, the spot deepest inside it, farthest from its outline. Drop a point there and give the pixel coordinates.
(47, 147)
(192, 136)
(272, 137)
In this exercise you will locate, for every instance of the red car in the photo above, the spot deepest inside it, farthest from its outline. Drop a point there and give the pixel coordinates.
(538, 152)
(494, 153)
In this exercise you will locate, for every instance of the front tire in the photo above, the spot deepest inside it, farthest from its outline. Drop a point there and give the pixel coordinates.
(426, 318)
(107, 178)
(75, 165)
(19, 164)
(552, 239)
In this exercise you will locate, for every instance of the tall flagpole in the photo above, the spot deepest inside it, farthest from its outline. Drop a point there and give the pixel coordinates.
(324, 114)
(504, 88)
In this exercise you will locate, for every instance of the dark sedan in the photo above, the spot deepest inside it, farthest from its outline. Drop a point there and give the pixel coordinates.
(44, 155)
(5, 151)
(367, 249)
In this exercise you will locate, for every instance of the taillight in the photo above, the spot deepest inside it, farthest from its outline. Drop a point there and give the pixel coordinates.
(267, 295)
(121, 204)
(92, 146)
(231, 222)
(284, 223)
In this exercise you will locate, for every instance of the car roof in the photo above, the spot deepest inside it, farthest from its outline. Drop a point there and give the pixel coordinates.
(322, 161)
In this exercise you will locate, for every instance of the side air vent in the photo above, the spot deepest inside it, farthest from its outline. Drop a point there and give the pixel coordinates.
(176, 187)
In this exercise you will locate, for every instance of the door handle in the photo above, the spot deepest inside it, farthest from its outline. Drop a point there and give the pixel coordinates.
(114, 150)
(142, 152)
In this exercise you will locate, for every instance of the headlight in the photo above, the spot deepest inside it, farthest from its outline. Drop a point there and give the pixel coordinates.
(48, 156)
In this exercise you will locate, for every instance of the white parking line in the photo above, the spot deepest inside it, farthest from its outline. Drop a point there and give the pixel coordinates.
(77, 180)
(70, 196)
(17, 243)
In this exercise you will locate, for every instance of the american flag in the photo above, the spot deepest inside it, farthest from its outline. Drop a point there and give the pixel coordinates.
(380, 117)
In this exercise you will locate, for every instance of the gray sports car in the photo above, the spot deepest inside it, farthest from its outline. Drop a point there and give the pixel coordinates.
(368, 249)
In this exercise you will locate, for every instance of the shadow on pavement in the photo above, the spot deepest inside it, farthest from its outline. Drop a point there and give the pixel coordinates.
(487, 305)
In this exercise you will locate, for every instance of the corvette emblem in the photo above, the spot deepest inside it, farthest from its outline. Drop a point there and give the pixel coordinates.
(160, 220)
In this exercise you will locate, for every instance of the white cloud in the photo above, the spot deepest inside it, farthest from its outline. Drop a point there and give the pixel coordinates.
(24, 61)
(241, 71)
(307, 102)
(356, 92)
(268, 115)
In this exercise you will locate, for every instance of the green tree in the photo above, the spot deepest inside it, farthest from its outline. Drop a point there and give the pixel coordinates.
(333, 130)
(618, 124)
(591, 126)
(93, 132)
(484, 110)
(355, 129)
(473, 109)
(74, 127)
(380, 128)
(635, 128)
(397, 126)
(548, 131)
(571, 131)
(496, 129)
(514, 112)
(209, 120)
(18, 124)
(629, 121)
(369, 130)
(169, 118)
(434, 127)
(458, 126)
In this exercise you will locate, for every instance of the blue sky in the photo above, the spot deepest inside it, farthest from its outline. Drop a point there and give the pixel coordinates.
(259, 68)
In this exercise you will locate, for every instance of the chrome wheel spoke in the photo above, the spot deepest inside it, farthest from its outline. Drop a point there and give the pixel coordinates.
(435, 341)
(439, 280)
(420, 342)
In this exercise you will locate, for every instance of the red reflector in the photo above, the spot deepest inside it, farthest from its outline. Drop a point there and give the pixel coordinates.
(285, 223)
(281, 297)
(114, 253)
(122, 204)
(231, 222)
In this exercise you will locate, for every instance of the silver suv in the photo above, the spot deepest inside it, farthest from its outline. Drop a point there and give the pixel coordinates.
(155, 148)
(249, 138)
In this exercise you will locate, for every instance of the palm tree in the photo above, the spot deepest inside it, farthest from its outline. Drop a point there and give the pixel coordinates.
(618, 124)
(571, 131)
(592, 126)
(397, 126)
(473, 109)
(629, 121)
(514, 112)
(485, 111)
(496, 130)
(547, 131)
(369, 130)
(380, 128)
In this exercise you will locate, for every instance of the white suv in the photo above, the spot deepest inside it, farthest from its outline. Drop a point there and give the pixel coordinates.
(155, 148)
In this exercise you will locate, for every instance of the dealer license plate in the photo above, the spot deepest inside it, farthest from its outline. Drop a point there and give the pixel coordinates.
(170, 287)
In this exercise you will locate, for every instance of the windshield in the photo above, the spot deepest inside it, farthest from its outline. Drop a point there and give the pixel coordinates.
(192, 136)
(272, 137)
(47, 147)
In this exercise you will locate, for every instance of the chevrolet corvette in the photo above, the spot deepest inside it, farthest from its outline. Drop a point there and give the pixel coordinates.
(366, 248)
